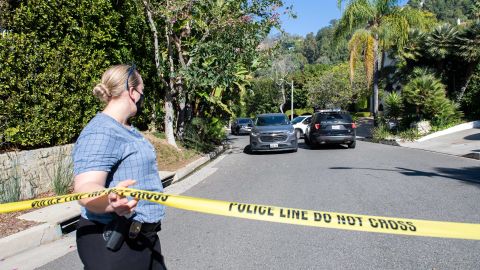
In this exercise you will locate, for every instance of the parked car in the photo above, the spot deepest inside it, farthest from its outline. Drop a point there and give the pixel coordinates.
(331, 127)
(300, 124)
(241, 126)
(273, 132)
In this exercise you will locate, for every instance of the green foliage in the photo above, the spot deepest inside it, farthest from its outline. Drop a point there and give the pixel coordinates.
(264, 97)
(425, 97)
(447, 10)
(363, 114)
(451, 52)
(298, 112)
(310, 49)
(203, 135)
(393, 105)
(160, 135)
(62, 178)
(52, 57)
(410, 134)
(44, 91)
(380, 133)
(331, 51)
(334, 88)
(471, 100)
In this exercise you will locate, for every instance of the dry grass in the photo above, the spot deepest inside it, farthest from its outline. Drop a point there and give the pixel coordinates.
(168, 157)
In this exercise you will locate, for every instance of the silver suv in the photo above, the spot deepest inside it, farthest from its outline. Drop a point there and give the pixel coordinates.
(273, 132)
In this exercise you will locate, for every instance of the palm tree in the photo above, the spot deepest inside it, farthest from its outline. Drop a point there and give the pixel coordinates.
(468, 49)
(376, 26)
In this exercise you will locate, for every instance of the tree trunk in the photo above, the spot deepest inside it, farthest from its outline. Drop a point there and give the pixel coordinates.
(168, 96)
(468, 76)
(182, 99)
(169, 111)
(375, 80)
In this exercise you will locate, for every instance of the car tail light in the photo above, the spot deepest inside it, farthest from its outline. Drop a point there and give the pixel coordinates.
(354, 125)
(317, 126)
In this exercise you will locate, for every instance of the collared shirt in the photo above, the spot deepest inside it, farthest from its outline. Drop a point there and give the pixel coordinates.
(106, 145)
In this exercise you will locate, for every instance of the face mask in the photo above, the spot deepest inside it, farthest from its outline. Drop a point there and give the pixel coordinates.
(139, 103)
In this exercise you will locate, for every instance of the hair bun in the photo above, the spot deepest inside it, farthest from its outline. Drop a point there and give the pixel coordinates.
(102, 92)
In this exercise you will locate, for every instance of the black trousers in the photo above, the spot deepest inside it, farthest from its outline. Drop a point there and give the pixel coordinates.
(144, 252)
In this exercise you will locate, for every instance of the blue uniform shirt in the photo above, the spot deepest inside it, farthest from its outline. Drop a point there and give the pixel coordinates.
(106, 145)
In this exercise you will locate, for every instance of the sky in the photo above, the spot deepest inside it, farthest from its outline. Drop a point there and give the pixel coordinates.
(312, 15)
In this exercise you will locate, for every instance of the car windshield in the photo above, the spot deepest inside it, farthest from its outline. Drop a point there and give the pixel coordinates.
(298, 119)
(335, 117)
(271, 120)
(244, 121)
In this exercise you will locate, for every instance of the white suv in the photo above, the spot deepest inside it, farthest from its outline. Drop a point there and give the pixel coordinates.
(300, 123)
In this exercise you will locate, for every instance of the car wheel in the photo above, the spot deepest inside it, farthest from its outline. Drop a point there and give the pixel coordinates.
(352, 144)
(307, 140)
(298, 133)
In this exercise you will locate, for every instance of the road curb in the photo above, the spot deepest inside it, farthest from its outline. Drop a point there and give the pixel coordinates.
(187, 170)
(30, 238)
(51, 229)
(457, 128)
(387, 142)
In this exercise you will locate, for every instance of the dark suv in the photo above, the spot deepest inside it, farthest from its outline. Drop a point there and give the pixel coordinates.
(241, 125)
(331, 127)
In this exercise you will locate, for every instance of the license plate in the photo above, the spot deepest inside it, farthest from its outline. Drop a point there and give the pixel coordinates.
(274, 145)
(335, 127)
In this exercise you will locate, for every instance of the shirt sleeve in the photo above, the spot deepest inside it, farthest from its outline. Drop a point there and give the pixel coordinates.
(96, 152)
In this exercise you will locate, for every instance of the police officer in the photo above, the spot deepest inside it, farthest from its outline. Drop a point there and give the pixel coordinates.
(116, 232)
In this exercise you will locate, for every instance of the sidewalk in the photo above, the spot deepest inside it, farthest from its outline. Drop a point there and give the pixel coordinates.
(464, 143)
(462, 140)
(56, 220)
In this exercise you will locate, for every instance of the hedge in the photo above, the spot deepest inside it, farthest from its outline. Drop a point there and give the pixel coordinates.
(53, 55)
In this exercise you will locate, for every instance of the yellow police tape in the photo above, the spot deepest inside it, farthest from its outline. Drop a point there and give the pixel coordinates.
(389, 225)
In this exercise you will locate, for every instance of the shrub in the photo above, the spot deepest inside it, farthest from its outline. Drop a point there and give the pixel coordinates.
(393, 105)
(425, 97)
(409, 134)
(380, 133)
(471, 99)
(363, 114)
(52, 57)
(62, 178)
(202, 135)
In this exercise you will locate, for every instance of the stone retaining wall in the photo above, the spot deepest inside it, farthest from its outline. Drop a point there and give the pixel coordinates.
(34, 169)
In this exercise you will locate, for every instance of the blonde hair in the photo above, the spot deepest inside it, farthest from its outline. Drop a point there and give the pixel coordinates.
(114, 82)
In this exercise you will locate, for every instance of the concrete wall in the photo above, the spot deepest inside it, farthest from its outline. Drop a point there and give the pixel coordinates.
(35, 168)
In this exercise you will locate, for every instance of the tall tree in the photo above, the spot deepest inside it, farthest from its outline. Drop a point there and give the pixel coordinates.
(205, 50)
(377, 25)
(332, 89)
(310, 50)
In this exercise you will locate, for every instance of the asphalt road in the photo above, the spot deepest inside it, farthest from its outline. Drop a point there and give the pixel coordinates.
(372, 179)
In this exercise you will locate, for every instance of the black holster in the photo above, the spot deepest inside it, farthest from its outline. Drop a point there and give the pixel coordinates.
(115, 233)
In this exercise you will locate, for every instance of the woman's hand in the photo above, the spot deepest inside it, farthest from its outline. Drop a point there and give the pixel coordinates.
(120, 204)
